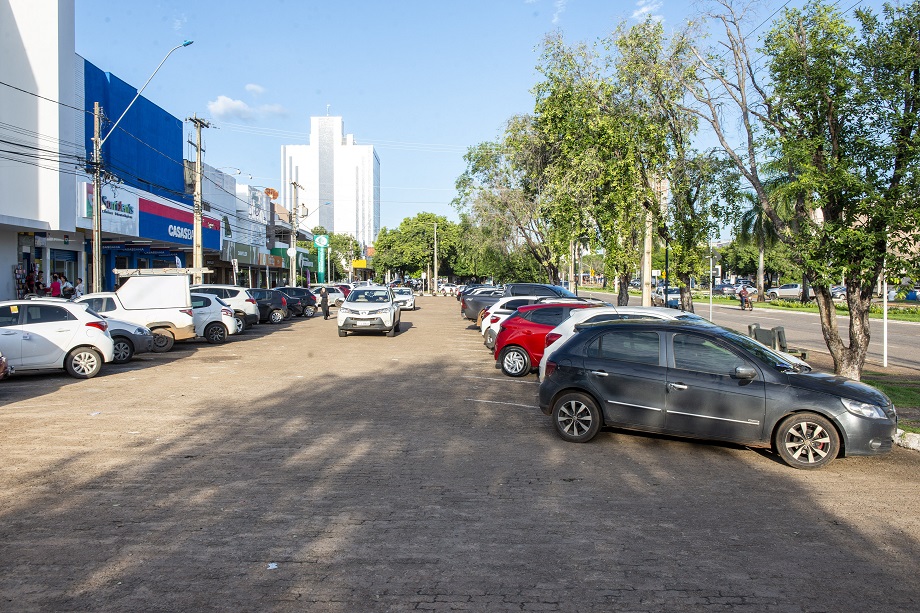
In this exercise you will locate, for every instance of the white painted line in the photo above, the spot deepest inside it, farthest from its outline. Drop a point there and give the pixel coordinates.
(526, 406)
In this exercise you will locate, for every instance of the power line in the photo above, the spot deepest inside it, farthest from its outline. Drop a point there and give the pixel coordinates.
(45, 98)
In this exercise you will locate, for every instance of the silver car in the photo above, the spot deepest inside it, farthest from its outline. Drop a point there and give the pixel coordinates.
(129, 339)
(405, 298)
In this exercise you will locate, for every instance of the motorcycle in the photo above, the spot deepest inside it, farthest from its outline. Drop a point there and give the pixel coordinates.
(746, 303)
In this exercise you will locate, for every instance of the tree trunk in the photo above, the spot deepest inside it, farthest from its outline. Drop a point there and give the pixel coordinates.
(623, 295)
(686, 297)
(848, 360)
(760, 270)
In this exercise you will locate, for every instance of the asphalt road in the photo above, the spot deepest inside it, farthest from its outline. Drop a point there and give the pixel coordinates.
(292, 470)
(803, 330)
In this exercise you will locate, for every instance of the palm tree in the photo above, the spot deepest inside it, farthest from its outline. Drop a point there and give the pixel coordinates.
(755, 226)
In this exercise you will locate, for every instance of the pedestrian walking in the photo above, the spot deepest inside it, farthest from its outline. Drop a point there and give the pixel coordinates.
(324, 302)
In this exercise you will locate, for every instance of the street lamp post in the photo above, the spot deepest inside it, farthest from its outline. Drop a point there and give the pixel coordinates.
(98, 142)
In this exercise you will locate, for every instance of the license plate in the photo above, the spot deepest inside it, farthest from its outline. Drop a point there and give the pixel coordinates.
(362, 323)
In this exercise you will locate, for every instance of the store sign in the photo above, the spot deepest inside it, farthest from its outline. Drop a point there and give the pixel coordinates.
(243, 254)
(119, 212)
(166, 223)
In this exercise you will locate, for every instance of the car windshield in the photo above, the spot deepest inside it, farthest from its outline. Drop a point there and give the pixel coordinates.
(564, 293)
(403, 291)
(774, 359)
(369, 295)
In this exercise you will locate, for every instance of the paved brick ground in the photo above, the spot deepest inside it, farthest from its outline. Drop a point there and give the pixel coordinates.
(291, 470)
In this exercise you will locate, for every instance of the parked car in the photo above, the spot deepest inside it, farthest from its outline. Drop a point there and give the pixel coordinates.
(561, 333)
(128, 339)
(369, 307)
(701, 381)
(448, 289)
(345, 288)
(405, 298)
(214, 319)
(838, 292)
(306, 297)
(49, 334)
(521, 338)
(161, 303)
(493, 316)
(272, 305)
(295, 306)
(787, 290)
(336, 297)
(673, 300)
(244, 306)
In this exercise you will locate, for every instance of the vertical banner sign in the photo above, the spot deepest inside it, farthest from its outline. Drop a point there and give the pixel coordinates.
(321, 241)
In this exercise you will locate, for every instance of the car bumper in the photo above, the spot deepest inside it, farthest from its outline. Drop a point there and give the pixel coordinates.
(867, 436)
(142, 344)
(252, 318)
(364, 323)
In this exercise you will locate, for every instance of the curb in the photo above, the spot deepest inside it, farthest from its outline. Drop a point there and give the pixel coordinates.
(909, 440)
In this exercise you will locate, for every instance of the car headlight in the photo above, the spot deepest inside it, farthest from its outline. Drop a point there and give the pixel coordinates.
(376, 311)
(863, 409)
(142, 331)
(346, 310)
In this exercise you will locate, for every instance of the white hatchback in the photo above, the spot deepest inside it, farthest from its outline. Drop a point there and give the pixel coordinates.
(214, 319)
(47, 334)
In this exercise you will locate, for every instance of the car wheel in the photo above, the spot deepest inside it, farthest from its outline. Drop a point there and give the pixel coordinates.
(276, 316)
(515, 362)
(394, 330)
(772, 296)
(124, 350)
(806, 440)
(576, 417)
(83, 363)
(490, 338)
(310, 311)
(342, 332)
(215, 332)
(339, 302)
(240, 323)
(163, 340)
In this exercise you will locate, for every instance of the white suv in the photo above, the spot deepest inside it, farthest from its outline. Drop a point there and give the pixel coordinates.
(369, 307)
(42, 334)
(245, 308)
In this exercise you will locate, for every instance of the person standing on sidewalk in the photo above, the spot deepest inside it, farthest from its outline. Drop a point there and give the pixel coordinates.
(324, 302)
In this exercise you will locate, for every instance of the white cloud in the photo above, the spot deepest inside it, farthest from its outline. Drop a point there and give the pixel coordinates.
(560, 8)
(179, 22)
(254, 89)
(647, 7)
(227, 108)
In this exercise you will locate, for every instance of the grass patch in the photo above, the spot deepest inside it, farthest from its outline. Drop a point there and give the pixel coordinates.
(902, 394)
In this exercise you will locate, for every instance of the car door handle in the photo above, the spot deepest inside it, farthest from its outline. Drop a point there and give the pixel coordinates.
(677, 386)
(599, 373)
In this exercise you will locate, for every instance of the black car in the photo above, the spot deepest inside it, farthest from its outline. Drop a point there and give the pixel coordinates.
(699, 380)
(306, 297)
(273, 305)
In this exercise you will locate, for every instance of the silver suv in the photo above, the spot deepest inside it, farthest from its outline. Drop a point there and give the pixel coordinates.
(369, 307)
(245, 308)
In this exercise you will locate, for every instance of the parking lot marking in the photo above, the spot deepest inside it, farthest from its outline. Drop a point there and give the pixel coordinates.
(526, 406)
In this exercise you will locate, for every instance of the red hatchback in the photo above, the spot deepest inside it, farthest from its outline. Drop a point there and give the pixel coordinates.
(521, 339)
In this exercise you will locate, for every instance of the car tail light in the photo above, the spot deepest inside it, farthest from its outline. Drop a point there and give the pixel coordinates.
(494, 319)
(485, 313)
(463, 303)
(283, 301)
(101, 325)
(550, 368)
(226, 312)
(252, 300)
(551, 338)
(188, 312)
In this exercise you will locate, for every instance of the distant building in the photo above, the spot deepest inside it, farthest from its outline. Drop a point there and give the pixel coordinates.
(340, 181)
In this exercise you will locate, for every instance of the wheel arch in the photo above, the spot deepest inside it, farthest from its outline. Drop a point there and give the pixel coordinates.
(82, 346)
(580, 390)
(841, 433)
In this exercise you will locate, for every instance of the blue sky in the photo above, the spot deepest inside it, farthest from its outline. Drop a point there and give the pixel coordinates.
(421, 80)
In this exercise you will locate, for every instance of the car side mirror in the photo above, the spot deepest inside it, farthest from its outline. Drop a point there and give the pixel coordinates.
(745, 372)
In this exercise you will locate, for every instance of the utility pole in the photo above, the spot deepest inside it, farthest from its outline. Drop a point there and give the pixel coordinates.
(197, 250)
(435, 276)
(295, 217)
(97, 198)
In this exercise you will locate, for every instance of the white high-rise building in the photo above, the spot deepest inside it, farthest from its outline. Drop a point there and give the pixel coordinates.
(339, 179)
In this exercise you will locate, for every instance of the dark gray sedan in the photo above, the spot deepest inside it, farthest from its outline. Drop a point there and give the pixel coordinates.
(702, 381)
